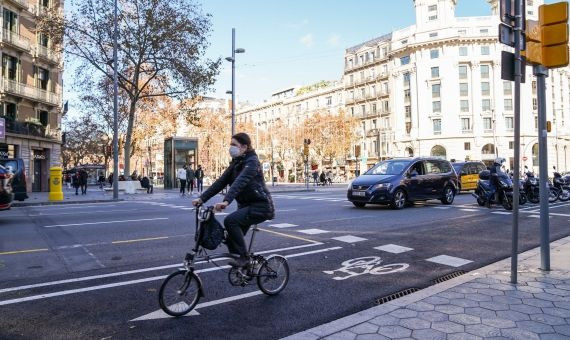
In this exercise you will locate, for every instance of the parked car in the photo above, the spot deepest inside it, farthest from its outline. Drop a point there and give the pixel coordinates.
(468, 173)
(16, 166)
(402, 180)
(6, 195)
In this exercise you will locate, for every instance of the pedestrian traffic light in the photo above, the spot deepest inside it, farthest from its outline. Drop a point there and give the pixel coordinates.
(306, 149)
(548, 126)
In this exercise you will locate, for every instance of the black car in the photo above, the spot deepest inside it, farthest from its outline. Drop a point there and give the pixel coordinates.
(402, 180)
(16, 166)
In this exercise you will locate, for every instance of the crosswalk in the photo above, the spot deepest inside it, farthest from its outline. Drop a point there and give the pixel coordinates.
(179, 207)
(311, 198)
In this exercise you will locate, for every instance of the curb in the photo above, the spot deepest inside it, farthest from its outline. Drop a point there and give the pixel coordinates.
(31, 204)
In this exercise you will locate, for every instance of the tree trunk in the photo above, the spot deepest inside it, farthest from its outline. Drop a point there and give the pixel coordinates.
(127, 146)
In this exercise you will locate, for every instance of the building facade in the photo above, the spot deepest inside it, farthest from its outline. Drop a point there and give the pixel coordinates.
(30, 90)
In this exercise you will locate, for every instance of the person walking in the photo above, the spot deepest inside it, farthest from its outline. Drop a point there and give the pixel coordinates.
(323, 179)
(181, 175)
(75, 180)
(190, 179)
(83, 181)
(315, 178)
(247, 186)
(199, 174)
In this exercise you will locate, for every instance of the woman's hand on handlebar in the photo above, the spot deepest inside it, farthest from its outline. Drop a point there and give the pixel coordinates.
(197, 202)
(221, 206)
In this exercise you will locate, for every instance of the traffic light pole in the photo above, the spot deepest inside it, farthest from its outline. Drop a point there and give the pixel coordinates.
(541, 73)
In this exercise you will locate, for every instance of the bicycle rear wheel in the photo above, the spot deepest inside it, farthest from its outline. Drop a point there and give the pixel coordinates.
(273, 275)
(179, 293)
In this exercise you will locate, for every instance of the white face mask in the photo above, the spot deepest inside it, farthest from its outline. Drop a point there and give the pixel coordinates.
(234, 151)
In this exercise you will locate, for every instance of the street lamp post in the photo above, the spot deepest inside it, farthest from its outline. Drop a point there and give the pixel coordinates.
(232, 59)
(272, 165)
(115, 112)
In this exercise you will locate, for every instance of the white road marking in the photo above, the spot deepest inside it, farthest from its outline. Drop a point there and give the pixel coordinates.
(283, 225)
(349, 239)
(84, 212)
(442, 208)
(135, 271)
(393, 248)
(469, 210)
(535, 216)
(449, 260)
(130, 282)
(313, 231)
(285, 210)
(107, 222)
(501, 213)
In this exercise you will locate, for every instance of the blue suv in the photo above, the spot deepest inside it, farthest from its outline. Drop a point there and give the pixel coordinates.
(402, 180)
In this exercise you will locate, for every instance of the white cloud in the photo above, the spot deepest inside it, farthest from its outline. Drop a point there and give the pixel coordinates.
(307, 40)
(334, 40)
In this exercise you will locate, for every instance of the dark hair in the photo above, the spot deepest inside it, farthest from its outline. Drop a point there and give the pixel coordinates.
(244, 139)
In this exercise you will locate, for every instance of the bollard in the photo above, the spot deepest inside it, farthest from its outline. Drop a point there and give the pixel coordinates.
(55, 183)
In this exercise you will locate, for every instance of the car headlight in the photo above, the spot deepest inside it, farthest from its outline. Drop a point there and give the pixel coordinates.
(382, 186)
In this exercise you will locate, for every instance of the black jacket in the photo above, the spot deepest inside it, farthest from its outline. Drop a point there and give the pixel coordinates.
(247, 186)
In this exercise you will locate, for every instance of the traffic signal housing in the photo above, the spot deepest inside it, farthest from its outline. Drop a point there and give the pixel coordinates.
(547, 38)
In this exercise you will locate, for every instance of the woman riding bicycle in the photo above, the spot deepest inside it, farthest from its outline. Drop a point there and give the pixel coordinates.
(247, 187)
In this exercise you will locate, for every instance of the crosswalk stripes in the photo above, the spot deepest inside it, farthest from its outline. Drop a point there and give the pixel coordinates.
(312, 231)
(283, 225)
(349, 239)
(394, 248)
(313, 198)
(449, 260)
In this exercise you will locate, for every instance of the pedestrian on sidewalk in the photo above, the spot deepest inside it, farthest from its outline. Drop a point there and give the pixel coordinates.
(181, 175)
(83, 181)
(101, 181)
(190, 179)
(146, 184)
(75, 180)
(68, 180)
(199, 174)
(315, 178)
(323, 179)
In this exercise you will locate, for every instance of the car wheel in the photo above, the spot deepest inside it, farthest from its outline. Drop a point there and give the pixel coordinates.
(359, 204)
(448, 195)
(398, 200)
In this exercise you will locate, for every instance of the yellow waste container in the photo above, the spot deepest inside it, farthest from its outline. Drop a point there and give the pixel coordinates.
(55, 184)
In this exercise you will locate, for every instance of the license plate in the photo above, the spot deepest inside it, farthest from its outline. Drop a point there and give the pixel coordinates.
(359, 193)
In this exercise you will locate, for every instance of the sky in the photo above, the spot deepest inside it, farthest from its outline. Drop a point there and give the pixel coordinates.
(296, 42)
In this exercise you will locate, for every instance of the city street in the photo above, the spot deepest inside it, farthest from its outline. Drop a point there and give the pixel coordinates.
(94, 270)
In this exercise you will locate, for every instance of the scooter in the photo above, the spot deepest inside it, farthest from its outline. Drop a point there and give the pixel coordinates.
(561, 186)
(531, 186)
(503, 193)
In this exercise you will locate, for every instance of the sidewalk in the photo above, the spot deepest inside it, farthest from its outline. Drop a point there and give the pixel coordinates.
(481, 304)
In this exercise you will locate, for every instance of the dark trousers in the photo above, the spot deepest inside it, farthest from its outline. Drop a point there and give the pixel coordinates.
(182, 186)
(83, 189)
(150, 189)
(237, 224)
(199, 185)
(190, 185)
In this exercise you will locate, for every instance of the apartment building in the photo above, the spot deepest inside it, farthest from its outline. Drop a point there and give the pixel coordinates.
(30, 90)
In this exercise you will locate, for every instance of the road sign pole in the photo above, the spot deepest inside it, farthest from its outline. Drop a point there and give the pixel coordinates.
(541, 73)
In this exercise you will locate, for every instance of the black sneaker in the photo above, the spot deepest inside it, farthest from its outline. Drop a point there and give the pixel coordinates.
(239, 262)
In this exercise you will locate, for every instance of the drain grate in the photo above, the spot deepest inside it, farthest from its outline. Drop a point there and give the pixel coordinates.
(394, 296)
(448, 277)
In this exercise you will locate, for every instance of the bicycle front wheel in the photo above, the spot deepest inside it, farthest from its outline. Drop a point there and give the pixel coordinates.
(179, 293)
(273, 275)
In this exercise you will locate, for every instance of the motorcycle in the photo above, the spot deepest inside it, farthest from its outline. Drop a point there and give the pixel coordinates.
(532, 188)
(561, 186)
(503, 193)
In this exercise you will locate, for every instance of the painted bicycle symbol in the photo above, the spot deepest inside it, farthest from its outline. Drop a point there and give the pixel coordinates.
(366, 265)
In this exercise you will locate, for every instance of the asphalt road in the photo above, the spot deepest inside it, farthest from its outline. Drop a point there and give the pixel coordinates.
(93, 270)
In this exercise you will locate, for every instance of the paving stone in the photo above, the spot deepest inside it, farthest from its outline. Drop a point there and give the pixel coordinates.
(557, 291)
(420, 306)
(483, 331)
(499, 323)
(531, 289)
(519, 294)
(385, 320)
(428, 334)
(491, 292)
(494, 306)
(551, 297)
(476, 285)
(465, 319)
(464, 290)
(371, 337)
(554, 337)
(519, 334)
(404, 313)
(415, 323)
(538, 284)
(526, 309)
(548, 319)
(565, 329)
(394, 331)
(436, 300)
(433, 316)
(513, 315)
(504, 287)
(478, 297)
(464, 303)
(344, 335)
(509, 300)
(565, 305)
(481, 312)
(447, 327)
(487, 280)
(449, 309)
(535, 327)
(560, 312)
(463, 336)
(537, 303)
(364, 328)
(451, 295)
(549, 280)
(563, 286)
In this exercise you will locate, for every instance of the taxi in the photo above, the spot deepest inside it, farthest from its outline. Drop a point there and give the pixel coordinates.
(468, 173)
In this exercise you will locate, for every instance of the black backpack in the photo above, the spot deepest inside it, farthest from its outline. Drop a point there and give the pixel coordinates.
(212, 233)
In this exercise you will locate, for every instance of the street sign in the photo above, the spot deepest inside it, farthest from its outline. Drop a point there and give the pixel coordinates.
(266, 166)
(507, 36)
(2, 129)
(508, 67)
(507, 13)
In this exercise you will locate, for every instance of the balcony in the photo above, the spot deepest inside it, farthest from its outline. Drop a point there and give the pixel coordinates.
(383, 75)
(47, 54)
(15, 40)
(39, 10)
(349, 101)
(32, 129)
(33, 93)
(21, 4)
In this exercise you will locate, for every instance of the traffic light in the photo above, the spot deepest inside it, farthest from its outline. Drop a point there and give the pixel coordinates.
(548, 126)
(547, 38)
(306, 143)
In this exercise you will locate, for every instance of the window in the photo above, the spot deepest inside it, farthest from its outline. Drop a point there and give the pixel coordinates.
(351, 79)
(43, 78)
(463, 89)
(485, 50)
(467, 146)
(405, 60)
(374, 108)
(432, 8)
(534, 104)
(484, 31)
(485, 89)
(403, 42)
(486, 105)
(10, 21)
(536, 122)
(534, 87)
(408, 128)
(462, 32)
(511, 145)
(352, 111)
(436, 106)
(507, 88)
(407, 95)
(435, 90)
(509, 123)
(437, 126)
(408, 109)
(462, 51)
(508, 104)
(464, 105)
(43, 40)
(465, 124)
(484, 71)
(363, 109)
(434, 54)
(432, 17)
(487, 124)
(385, 106)
(433, 167)
(43, 117)
(407, 79)
(329, 101)
(10, 67)
(11, 110)
(435, 72)
(462, 72)
(433, 35)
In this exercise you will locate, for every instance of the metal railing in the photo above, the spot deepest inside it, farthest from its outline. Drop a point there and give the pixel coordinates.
(34, 93)
(23, 4)
(15, 39)
(32, 129)
(47, 53)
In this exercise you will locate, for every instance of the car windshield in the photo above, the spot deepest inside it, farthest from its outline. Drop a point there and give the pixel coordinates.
(393, 167)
